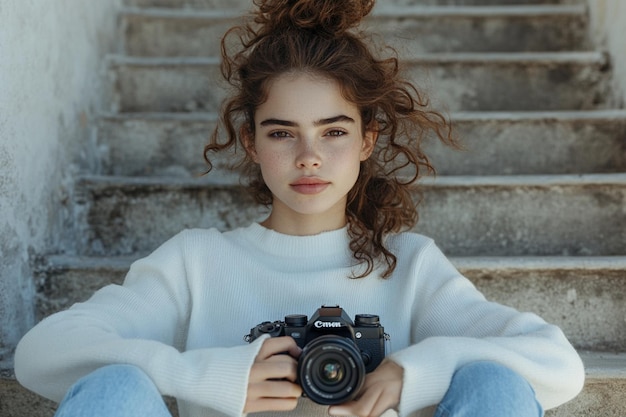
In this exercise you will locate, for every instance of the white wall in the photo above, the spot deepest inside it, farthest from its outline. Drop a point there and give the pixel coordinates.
(51, 84)
(608, 21)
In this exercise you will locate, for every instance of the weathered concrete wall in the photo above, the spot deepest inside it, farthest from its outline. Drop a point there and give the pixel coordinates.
(608, 20)
(51, 82)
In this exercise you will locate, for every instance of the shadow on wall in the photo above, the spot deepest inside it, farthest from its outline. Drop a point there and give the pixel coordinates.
(52, 82)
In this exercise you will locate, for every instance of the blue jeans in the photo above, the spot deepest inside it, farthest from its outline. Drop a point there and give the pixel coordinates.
(114, 391)
(480, 389)
(487, 389)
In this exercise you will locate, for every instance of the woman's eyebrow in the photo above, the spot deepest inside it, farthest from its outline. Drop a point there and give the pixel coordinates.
(270, 122)
(321, 122)
(331, 120)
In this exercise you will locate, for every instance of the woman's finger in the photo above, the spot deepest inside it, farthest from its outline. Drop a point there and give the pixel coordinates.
(274, 368)
(276, 345)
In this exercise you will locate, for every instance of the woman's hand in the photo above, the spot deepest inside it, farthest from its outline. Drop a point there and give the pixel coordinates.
(380, 393)
(271, 386)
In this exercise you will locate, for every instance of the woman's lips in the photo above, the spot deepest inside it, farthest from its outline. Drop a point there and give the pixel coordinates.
(309, 185)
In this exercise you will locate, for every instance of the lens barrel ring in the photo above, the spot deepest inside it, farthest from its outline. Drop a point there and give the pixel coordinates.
(331, 369)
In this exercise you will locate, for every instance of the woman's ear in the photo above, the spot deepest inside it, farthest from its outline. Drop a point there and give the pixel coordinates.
(369, 143)
(247, 138)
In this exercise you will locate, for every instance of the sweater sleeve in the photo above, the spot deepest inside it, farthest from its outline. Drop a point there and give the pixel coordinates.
(453, 325)
(142, 323)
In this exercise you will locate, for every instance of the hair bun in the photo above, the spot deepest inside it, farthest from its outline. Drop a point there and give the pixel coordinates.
(334, 17)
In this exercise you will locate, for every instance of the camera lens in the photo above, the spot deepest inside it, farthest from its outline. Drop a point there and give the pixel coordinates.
(331, 370)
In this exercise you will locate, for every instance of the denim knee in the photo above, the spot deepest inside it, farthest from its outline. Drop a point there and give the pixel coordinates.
(115, 390)
(117, 380)
(488, 389)
(113, 373)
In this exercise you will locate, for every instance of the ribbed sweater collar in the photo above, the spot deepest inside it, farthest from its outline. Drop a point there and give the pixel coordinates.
(332, 244)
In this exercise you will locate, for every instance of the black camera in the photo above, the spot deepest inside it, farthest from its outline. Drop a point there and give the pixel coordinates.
(336, 353)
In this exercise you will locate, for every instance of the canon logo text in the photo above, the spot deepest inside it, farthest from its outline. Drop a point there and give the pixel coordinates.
(320, 324)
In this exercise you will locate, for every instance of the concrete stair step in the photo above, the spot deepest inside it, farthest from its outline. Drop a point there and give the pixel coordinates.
(17, 401)
(65, 280)
(453, 81)
(604, 394)
(580, 215)
(585, 295)
(410, 29)
(496, 143)
(245, 4)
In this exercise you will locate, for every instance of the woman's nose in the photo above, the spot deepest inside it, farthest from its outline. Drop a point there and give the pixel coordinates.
(308, 155)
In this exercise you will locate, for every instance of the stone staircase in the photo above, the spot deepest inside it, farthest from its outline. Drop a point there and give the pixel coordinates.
(533, 211)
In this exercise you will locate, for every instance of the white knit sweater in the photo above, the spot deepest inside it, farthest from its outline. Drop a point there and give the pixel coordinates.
(183, 311)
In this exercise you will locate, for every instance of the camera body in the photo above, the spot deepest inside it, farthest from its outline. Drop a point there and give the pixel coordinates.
(336, 352)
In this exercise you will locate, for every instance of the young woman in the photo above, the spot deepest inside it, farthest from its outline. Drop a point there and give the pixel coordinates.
(332, 140)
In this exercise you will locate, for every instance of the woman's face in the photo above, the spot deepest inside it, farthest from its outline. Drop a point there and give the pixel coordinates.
(309, 144)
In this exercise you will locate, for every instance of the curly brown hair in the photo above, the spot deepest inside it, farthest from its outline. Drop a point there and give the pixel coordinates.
(320, 37)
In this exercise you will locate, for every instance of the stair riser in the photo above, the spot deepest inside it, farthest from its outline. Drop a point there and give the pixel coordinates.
(162, 36)
(452, 86)
(588, 304)
(522, 147)
(567, 220)
(147, 147)
(466, 220)
(246, 4)
(154, 147)
(59, 288)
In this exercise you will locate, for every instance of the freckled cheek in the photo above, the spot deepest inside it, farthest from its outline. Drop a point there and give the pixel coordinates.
(272, 163)
(347, 159)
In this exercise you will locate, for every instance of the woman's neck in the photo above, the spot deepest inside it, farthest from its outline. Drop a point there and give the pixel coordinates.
(303, 225)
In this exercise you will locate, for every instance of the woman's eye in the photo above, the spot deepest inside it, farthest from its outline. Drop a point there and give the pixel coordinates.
(336, 133)
(279, 134)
